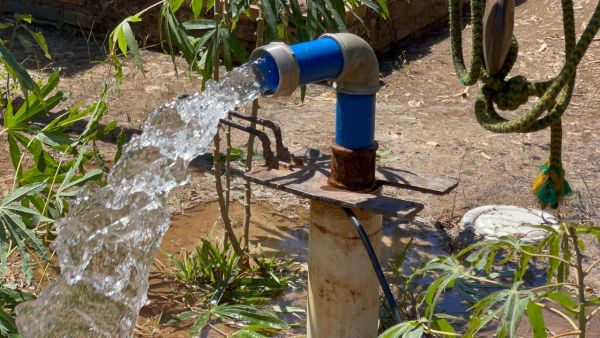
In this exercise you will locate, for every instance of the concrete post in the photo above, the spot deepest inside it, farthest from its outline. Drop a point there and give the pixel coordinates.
(343, 291)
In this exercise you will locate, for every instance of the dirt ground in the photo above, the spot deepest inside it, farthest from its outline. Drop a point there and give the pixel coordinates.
(425, 122)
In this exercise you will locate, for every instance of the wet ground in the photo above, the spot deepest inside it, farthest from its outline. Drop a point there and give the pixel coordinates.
(425, 122)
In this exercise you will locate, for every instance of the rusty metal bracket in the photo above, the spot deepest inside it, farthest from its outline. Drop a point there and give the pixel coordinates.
(270, 159)
(308, 176)
(311, 181)
(283, 154)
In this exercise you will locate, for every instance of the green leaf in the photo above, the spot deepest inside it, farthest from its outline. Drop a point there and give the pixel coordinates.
(41, 41)
(444, 326)
(133, 46)
(23, 17)
(402, 330)
(18, 71)
(238, 50)
(251, 315)
(27, 212)
(175, 5)
(54, 139)
(245, 333)
(270, 16)
(95, 111)
(15, 152)
(25, 42)
(121, 40)
(182, 40)
(224, 39)
(197, 7)
(563, 300)
(185, 316)
(11, 227)
(121, 140)
(200, 324)
(89, 176)
(199, 24)
(536, 319)
(7, 323)
(22, 192)
(514, 308)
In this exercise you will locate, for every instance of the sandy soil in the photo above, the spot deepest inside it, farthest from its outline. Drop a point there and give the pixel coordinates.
(425, 122)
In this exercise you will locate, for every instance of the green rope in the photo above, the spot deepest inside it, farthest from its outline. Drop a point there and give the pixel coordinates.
(509, 94)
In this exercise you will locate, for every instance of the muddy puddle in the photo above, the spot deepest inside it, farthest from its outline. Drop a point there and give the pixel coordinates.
(285, 234)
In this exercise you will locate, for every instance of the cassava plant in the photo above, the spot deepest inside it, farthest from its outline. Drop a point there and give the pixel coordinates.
(229, 291)
(496, 278)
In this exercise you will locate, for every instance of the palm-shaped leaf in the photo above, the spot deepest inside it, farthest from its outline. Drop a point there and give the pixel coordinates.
(14, 218)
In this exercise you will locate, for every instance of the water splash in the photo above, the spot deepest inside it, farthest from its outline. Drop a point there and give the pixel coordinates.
(107, 242)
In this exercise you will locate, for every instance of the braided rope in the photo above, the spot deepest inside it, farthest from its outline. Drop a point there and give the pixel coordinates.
(555, 95)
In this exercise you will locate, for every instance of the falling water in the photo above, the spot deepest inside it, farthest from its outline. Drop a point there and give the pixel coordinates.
(107, 242)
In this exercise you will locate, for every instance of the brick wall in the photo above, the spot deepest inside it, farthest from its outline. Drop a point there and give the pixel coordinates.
(407, 18)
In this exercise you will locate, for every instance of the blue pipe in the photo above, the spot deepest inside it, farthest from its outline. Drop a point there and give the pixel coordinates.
(355, 121)
(319, 60)
(315, 61)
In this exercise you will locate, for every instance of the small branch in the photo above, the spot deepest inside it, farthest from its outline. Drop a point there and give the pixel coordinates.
(560, 313)
(228, 169)
(19, 165)
(219, 187)
(150, 7)
(567, 334)
(580, 281)
(533, 254)
(443, 333)
(219, 331)
(485, 280)
(592, 314)
(556, 285)
(44, 272)
(462, 162)
(594, 263)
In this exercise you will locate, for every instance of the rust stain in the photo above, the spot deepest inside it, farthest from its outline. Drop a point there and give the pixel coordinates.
(353, 170)
(325, 231)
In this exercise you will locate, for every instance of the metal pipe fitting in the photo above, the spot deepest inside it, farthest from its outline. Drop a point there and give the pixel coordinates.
(277, 68)
(353, 170)
(360, 74)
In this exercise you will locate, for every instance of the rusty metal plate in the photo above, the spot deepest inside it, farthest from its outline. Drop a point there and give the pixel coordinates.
(311, 182)
(400, 178)
(408, 179)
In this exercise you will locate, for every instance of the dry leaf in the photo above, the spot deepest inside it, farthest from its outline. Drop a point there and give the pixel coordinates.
(415, 103)
(542, 47)
(394, 134)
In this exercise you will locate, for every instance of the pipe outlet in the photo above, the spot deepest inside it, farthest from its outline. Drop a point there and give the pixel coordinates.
(277, 68)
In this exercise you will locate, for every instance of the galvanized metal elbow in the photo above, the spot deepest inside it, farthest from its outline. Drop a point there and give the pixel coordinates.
(360, 72)
(343, 57)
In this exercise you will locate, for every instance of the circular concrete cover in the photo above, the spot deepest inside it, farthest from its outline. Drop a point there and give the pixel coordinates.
(495, 221)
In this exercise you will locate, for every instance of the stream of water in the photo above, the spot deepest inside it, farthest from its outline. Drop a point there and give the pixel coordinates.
(107, 242)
